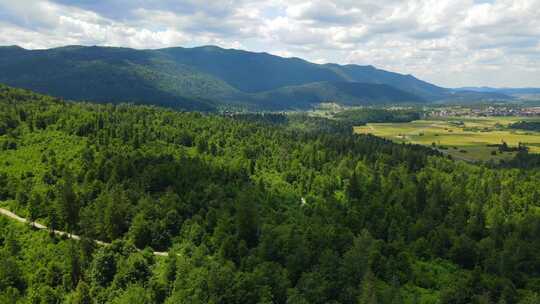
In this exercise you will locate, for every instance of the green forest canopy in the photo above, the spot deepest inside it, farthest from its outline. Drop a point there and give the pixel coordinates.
(251, 212)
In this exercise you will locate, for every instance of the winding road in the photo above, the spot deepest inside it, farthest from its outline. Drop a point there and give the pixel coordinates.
(37, 225)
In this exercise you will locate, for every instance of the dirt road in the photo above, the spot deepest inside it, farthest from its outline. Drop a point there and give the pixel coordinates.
(37, 225)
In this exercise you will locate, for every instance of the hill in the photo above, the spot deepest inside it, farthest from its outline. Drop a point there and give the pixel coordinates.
(347, 93)
(203, 78)
(251, 211)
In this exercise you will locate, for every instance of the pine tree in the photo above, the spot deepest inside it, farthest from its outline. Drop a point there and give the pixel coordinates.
(34, 204)
(68, 204)
(75, 269)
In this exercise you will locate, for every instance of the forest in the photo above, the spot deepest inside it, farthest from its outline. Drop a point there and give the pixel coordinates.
(360, 117)
(251, 209)
(526, 125)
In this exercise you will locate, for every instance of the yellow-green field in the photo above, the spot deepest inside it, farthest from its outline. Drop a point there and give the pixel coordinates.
(467, 141)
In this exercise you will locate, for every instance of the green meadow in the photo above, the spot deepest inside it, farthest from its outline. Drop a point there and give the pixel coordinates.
(463, 138)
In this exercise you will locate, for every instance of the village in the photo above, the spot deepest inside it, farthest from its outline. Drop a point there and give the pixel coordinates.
(487, 111)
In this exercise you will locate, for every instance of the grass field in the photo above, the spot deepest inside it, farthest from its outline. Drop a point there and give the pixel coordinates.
(462, 137)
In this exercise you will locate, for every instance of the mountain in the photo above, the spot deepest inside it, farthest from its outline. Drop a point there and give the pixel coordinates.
(238, 67)
(522, 93)
(508, 91)
(204, 78)
(100, 74)
(466, 96)
(347, 93)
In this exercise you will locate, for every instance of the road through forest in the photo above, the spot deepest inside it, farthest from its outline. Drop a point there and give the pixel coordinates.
(37, 225)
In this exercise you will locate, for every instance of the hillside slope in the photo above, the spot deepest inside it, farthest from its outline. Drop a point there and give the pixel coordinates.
(251, 211)
(347, 93)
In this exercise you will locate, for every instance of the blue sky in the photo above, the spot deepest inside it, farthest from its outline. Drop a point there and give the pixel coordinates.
(448, 42)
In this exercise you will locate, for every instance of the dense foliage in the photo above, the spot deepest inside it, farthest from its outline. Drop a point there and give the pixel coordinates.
(523, 160)
(342, 122)
(251, 212)
(298, 122)
(526, 125)
(360, 117)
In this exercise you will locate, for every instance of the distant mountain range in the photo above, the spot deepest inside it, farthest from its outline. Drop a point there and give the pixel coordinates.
(209, 77)
(508, 91)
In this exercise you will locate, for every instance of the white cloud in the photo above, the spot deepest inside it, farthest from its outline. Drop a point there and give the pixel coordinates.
(449, 42)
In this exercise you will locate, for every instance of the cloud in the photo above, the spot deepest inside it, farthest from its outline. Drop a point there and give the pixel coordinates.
(449, 42)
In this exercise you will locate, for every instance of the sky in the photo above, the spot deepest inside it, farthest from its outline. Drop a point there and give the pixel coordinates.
(452, 43)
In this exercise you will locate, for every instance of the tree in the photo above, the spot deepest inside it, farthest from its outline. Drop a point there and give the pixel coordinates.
(43, 295)
(88, 157)
(134, 294)
(135, 269)
(3, 186)
(11, 243)
(530, 298)
(294, 297)
(354, 188)
(68, 204)
(34, 205)
(140, 231)
(464, 251)
(357, 260)
(10, 273)
(23, 192)
(103, 267)
(368, 293)
(82, 294)
(75, 269)
(116, 214)
(52, 215)
(9, 295)
(247, 218)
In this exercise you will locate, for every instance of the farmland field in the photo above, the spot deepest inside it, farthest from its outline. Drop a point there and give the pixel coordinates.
(462, 137)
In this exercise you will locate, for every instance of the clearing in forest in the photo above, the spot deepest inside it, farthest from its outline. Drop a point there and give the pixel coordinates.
(467, 138)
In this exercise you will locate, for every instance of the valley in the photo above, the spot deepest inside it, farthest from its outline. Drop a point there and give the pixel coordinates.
(269, 152)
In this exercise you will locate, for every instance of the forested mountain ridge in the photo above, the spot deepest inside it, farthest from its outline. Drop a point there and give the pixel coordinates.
(348, 93)
(206, 78)
(271, 72)
(507, 91)
(258, 212)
